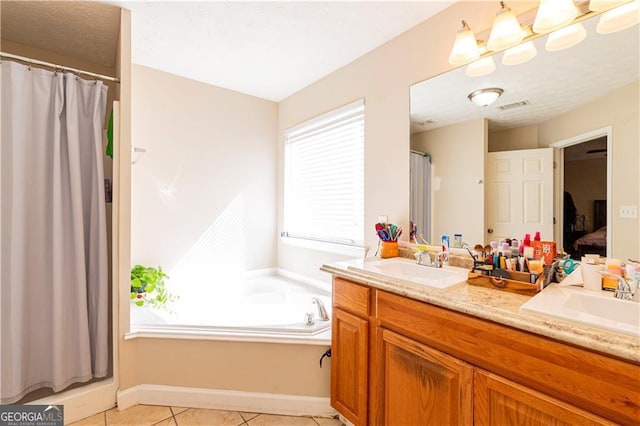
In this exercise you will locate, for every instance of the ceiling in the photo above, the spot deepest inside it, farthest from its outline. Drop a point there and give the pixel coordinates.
(268, 49)
(552, 82)
(87, 31)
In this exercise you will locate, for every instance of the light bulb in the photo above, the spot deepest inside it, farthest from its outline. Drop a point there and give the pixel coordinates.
(465, 48)
(565, 38)
(554, 14)
(481, 67)
(519, 54)
(619, 19)
(506, 31)
(602, 5)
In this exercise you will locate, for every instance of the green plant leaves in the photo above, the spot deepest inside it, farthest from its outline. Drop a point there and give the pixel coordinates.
(148, 286)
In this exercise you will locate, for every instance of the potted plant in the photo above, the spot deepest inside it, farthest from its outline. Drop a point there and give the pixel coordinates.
(148, 287)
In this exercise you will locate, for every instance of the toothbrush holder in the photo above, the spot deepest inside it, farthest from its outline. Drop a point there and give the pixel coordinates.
(388, 249)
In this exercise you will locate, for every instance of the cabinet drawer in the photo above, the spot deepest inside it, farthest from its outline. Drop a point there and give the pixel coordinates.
(594, 382)
(351, 297)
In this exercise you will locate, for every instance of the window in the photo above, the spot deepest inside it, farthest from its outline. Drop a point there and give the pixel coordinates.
(324, 177)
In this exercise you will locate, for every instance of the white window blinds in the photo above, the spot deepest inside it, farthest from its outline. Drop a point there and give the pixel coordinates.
(324, 177)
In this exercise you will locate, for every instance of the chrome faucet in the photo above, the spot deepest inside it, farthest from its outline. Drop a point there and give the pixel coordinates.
(437, 261)
(422, 256)
(624, 289)
(322, 311)
(440, 258)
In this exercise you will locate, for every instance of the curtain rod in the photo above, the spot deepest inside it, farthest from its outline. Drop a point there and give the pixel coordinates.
(60, 67)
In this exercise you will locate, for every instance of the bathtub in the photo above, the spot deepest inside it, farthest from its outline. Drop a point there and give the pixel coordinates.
(260, 307)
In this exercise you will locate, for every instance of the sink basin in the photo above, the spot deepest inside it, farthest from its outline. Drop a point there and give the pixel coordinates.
(598, 309)
(408, 270)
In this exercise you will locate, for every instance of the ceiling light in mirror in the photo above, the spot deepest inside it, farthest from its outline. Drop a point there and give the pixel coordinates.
(485, 97)
(465, 49)
(481, 67)
(619, 19)
(554, 14)
(519, 54)
(565, 38)
(506, 30)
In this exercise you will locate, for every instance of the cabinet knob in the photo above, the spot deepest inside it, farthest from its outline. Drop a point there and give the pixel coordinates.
(490, 231)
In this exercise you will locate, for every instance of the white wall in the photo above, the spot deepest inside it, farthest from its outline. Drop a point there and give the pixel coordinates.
(209, 168)
(619, 109)
(383, 78)
(204, 191)
(457, 156)
(513, 139)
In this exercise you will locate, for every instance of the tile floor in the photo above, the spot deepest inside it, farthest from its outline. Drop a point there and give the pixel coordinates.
(147, 415)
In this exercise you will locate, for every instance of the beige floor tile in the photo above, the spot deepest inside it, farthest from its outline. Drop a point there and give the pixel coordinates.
(273, 420)
(96, 420)
(138, 415)
(178, 410)
(167, 422)
(323, 421)
(248, 416)
(200, 416)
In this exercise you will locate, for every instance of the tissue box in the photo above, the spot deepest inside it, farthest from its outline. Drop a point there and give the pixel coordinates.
(546, 250)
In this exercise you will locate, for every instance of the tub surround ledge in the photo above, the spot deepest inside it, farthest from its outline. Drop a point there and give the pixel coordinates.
(497, 306)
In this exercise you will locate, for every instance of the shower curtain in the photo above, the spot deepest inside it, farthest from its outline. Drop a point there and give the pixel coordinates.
(420, 196)
(54, 289)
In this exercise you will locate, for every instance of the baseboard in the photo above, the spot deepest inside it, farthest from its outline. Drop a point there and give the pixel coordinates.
(256, 402)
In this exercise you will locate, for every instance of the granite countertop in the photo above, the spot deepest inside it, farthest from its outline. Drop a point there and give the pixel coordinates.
(497, 306)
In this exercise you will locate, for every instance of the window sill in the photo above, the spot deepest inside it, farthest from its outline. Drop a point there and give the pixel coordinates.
(336, 248)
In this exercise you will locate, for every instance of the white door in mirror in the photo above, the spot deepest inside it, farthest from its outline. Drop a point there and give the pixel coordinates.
(519, 193)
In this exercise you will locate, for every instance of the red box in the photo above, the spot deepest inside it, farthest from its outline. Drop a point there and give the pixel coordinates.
(546, 250)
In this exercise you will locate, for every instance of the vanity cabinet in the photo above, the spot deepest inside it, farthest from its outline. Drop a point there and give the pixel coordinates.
(423, 386)
(498, 401)
(431, 365)
(350, 350)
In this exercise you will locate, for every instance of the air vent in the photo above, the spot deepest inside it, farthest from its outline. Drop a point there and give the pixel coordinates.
(513, 105)
(425, 122)
(596, 151)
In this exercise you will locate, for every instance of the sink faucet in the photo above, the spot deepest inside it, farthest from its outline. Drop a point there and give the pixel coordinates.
(440, 258)
(322, 311)
(424, 258)
(624, 289)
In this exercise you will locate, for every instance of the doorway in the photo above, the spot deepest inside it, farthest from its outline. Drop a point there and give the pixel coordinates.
(584, 181)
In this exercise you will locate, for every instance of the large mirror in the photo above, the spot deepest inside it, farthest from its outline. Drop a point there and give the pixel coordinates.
(567, 118)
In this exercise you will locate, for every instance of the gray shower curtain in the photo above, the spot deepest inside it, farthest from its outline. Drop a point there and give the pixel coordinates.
(54, 289)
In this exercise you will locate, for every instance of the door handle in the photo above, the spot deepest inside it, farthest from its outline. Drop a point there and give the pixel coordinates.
(490, 231)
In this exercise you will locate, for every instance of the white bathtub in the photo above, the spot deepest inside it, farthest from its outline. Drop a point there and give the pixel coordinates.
(258, 308)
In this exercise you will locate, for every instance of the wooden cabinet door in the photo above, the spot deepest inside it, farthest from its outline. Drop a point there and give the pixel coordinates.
(498, 401)
(423, 386)
(349, 366)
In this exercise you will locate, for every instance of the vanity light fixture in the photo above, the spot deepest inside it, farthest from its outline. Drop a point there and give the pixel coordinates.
(485, 97)
(555, 17)
(465, 48)
(481, 67)
(554, 14)
(565, 38)
(519, 54)
(505, 31)
(619, 19)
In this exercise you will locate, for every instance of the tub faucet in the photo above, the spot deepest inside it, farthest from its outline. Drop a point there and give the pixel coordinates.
(322, 311)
